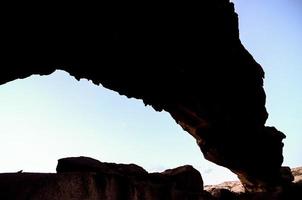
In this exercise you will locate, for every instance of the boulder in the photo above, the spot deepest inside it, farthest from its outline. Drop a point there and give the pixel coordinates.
(86, 164)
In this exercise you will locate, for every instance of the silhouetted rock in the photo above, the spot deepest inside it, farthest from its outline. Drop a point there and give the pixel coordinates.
(223, 194)
(183, 58)
(86, 178)
(86, 164)
(81, 178)
(186, 178)
(286, 175)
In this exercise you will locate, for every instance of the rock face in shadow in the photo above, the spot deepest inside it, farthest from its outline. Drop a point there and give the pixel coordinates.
(81, 178)
(85, 178)
(86, 164)
(182, 58)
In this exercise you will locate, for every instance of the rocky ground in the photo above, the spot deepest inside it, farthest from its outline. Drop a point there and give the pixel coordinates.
(297, 173)
(83, 178)
(235, 190)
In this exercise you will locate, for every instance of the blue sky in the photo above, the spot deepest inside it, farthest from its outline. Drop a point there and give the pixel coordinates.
(50, 117)
(271, 31)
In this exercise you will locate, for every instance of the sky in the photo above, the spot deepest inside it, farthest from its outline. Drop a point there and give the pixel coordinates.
(271, 30)
(44, 118)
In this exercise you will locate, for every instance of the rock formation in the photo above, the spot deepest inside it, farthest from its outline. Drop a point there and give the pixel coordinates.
(297, 173)
(85, 178)
(183, 58)
(235, 190)
(80, 178)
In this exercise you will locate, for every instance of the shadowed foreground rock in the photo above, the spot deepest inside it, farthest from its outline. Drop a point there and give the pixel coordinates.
(83, 178)
(184, 58)
(88, 179)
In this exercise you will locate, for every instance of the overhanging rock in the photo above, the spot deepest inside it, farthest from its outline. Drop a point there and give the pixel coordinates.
(183, 58)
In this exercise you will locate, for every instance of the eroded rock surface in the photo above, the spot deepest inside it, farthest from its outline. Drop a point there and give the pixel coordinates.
(235, 189)
(233, 186)
(182, 57)
(297, 173)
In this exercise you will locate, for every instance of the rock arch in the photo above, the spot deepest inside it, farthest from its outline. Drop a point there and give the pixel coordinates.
(183, 58)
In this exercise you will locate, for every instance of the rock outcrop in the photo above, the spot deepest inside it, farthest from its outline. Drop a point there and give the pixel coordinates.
(235, 190)
(85, 178)
(232, 186)
(81, 178)
(297, 173)
(183, 58)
